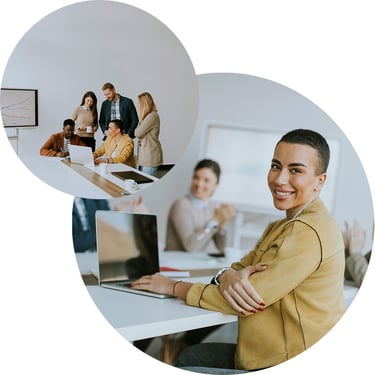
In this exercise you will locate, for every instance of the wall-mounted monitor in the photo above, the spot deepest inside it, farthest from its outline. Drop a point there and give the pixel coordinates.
(244, 154)
(19, 107)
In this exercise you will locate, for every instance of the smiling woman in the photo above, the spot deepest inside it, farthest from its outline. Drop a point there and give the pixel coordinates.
(194, 220)
(288, 290)
(298, 170)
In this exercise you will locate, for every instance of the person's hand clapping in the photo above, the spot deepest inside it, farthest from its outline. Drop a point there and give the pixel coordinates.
(357, 238)
(224, 213)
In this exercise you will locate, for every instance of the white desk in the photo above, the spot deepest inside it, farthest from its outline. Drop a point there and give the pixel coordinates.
(137, 317)
(62, 177)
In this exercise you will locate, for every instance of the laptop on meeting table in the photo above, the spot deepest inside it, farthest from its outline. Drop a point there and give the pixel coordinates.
(81, 155)
(127, 249)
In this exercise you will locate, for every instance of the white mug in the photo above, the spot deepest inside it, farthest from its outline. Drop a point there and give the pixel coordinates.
(103, 168)
(88, 129)
(130, 184)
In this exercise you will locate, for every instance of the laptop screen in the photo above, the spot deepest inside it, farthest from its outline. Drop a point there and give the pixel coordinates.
(81, 155)
(127, 245)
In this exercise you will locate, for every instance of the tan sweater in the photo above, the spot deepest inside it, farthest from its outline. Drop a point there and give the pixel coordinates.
(186, 227)
(84, 118)
(150, 153)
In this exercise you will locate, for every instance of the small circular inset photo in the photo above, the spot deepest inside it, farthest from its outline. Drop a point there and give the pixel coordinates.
(99, 99)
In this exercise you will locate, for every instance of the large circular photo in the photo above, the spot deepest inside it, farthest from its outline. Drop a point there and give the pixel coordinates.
(99, 99)
(260, 247)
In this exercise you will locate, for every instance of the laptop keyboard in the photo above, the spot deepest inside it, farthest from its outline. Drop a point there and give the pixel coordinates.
(126, 283)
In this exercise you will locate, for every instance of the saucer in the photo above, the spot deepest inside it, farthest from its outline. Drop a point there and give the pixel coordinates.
(135, 188)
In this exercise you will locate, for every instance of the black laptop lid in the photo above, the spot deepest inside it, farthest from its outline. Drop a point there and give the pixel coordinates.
(127, 245)
(137, 177)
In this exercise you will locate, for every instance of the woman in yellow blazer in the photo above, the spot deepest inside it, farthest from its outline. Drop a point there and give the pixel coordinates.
(117, 148)
(288, 291)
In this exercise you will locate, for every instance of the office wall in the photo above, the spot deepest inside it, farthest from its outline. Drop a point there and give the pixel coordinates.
(81, 46)
(241, 100)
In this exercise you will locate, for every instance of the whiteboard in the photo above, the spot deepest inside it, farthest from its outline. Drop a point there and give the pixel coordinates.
(19, 107)
(244, 155)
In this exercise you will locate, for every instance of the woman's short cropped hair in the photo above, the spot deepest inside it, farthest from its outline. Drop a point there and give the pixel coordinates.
(313, 139)
(118, 124)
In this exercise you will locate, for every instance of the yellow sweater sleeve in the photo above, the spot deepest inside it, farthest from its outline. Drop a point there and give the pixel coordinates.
(290, 259)
(208, 296)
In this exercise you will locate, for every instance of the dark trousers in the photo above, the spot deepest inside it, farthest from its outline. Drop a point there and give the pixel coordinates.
(89, 141)
(209, 358)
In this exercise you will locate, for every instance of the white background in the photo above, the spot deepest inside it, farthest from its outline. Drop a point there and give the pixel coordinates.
(321, 49)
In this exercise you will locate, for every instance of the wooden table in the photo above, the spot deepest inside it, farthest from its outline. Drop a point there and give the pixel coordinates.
(80, 180)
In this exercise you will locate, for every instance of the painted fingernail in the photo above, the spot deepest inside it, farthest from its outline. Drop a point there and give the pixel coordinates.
(262, 304)
(253, 311)
(243, 313)
(260, 308)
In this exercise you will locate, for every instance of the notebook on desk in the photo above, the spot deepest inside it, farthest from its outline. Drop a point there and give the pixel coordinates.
(81, 155)
(127, 249)
(137, 177)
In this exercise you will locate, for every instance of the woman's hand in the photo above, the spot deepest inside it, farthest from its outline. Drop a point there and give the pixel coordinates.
(354, 237)
(102, 159)
(156, 283)
(237, 290)
(224, 213)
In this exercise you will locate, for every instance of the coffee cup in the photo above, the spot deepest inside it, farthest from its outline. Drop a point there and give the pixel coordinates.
(103, 168)
(130, 184)
(233, 255)
(88, 129)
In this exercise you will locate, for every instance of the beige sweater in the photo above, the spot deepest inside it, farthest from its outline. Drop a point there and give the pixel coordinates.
(84, 118)
(186, 227)
(150, 153)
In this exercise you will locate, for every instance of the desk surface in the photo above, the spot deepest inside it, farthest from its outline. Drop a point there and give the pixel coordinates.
(137, 317)
(79, 180)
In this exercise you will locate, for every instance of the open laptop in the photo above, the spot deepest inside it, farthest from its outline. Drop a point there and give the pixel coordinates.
(81, 155)
(127, 249)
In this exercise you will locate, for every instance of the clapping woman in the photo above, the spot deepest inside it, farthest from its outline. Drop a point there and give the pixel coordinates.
(194, 220)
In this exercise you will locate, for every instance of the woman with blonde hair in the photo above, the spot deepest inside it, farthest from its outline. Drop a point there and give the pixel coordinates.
(150, 153)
